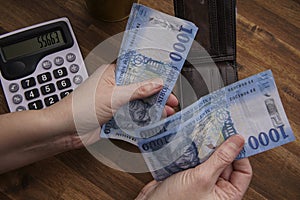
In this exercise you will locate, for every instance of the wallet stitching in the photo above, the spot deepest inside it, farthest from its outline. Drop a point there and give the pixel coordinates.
(232, 24)
(214, 27)
(183, 8)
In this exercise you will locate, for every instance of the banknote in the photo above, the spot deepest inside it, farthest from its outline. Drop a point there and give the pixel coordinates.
(250, 107)
(163, 125)
(154, 45)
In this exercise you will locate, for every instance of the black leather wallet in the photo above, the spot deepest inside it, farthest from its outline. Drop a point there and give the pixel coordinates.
(216, 20)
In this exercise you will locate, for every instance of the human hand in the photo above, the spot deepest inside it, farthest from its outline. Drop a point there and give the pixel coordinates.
(220, 177)
(110, 97)
(71, 123)
(95, 101)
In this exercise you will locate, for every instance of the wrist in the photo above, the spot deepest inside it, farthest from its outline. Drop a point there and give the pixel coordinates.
(58, 118)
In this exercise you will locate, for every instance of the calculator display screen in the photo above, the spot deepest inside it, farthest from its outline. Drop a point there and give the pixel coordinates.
(34, 45)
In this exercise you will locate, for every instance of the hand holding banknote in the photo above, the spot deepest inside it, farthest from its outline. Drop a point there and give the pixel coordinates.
(109, 96)
(156, 45)
(220, 177)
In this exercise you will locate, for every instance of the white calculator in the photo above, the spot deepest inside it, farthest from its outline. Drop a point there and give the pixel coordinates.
(40, 65)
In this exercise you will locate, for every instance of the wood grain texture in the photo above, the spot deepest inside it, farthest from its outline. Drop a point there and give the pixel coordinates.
(268, 37)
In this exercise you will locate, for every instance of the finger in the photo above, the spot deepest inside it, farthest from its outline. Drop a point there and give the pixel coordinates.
(227, 173)
(164, 113)
(147, 190)
(241, 175)
(172, 100)
(223, 157)
(145, 89)
(140, 90)
(167, 111)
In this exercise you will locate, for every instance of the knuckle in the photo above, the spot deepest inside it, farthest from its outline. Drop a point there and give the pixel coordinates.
(141, 90)
(224, 157)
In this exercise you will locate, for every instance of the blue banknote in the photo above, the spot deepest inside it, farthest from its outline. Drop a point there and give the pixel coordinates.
(250, 107)
(154, 45)
(164, 125)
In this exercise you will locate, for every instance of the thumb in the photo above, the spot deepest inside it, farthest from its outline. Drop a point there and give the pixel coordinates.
(223, 157)
(140, 90)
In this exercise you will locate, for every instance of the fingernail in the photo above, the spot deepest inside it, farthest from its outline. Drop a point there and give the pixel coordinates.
(233, 145)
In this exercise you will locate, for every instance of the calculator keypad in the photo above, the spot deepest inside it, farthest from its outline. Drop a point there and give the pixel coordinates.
(56, 79)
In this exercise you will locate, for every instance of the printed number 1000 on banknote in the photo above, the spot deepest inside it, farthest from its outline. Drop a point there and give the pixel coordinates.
(154, 45)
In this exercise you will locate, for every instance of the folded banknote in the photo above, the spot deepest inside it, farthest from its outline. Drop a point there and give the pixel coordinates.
(154, 45)
(250, 107)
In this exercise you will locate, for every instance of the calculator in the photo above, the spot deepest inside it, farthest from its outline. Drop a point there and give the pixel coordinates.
(40, 65)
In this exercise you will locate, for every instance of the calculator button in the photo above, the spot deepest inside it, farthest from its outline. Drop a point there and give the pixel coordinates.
(27, 83)
(13, 87)
(65, 93)
(62, 84)
(47, 64)
(70, 57)
(43, 78)
(77, 79)
(35, 105)
(51, 100)
(74, 68)
(58, 61)
(17, 99)
(20, 108)
(47, 89)
(61, 72)
(32, 94)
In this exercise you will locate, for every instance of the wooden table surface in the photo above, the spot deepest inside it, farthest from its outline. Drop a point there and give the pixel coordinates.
(268, 37)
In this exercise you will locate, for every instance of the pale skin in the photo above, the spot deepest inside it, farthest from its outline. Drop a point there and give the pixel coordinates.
(29, 136)
(220, 177)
